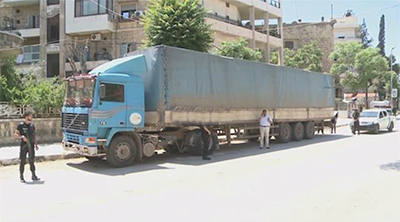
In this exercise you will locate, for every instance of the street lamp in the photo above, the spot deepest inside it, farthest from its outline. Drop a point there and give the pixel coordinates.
(391, 77)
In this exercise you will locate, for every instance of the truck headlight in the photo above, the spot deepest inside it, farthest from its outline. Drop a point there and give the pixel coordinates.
(90, 140)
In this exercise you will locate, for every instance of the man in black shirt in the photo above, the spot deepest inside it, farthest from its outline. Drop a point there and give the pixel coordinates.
(205, 135)
(356, 119)
(26, 133)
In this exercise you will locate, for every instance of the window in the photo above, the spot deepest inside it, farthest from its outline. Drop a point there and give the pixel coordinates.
(227, 5)
(289, 44)
(114, 93)
(127, 48)
(381, 115)
(92, 7)
(33, 22)
(385, 114)
(31, 54)
(128, 11)
(341, 37)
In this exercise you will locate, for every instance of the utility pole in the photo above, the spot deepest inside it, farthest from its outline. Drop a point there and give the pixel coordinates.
(391, 77)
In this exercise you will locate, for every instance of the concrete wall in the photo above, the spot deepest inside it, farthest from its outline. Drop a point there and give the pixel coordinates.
(47, 130)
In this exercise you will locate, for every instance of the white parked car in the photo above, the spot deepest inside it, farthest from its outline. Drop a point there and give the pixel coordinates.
(373, 120)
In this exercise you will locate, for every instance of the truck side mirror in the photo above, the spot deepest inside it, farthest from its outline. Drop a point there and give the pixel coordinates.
(102, 91)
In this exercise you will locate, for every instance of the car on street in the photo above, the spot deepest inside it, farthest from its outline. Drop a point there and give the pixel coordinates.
(373, 120)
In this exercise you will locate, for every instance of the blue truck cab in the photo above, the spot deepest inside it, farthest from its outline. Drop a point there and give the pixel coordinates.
(107, 102)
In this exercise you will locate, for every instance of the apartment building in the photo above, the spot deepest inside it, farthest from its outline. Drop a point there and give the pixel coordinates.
(347, 29)
(111, 28)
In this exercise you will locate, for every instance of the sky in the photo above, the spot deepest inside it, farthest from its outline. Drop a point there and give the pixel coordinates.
(371, 10)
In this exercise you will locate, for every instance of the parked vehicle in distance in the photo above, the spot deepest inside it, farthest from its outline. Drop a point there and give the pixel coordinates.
(373, 120)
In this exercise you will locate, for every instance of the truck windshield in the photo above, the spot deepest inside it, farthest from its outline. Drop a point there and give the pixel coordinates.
(369, 114)
(79, 92)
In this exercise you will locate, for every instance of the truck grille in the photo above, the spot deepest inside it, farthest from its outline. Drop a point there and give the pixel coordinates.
(74, 121)
(72, 138)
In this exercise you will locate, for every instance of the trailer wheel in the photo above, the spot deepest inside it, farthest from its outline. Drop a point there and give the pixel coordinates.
(298, 131)
(121, 152)
(285, 133)
(198, 148)
(309, 130)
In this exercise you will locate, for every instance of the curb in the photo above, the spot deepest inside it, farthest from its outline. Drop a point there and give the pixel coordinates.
(15, 161)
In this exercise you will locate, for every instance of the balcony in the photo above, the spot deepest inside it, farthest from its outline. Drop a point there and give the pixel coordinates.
(12, 3)
(274, 7)
(235, 28)
(82, 22)
(10, 44)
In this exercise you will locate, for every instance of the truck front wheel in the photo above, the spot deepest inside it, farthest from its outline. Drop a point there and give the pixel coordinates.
(285, 133)
(121, 152)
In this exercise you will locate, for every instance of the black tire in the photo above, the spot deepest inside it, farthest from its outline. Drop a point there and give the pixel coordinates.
(391, 127)
(309, 130)
(198, 148)
(121, 152)
(94, 158)
(170, 148)
(376, 129)
(285, 133)
(298, 131)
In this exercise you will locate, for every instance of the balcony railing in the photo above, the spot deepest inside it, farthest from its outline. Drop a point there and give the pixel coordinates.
(223, 19)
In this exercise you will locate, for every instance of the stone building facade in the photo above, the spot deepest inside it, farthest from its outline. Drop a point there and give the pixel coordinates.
(296, 35)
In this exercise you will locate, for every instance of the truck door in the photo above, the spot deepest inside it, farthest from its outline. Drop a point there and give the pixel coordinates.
(112, 105)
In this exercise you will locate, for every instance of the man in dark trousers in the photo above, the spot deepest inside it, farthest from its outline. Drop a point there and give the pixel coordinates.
(356, 121)
(26, 133)
(205, 134)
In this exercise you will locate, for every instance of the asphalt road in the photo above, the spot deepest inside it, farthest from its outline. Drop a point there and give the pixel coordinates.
(330, 178)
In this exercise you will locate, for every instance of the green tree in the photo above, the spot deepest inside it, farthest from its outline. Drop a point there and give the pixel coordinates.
(9, 80)
(369, 66)
(381, 37)
(365, 39)
(308, 57)
(42, 93)
(343, 58)
(239, 49)
(179, 23)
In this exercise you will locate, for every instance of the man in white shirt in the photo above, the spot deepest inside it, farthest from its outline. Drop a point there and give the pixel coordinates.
(265, 124)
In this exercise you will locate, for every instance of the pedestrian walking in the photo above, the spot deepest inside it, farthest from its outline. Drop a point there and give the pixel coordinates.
(26, 133)
(356, 122)
(205, 134)
(265, 125)
(334, 121)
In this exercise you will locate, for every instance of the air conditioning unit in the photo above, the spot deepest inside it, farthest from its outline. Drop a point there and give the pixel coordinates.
(138, 14)
(95, 37)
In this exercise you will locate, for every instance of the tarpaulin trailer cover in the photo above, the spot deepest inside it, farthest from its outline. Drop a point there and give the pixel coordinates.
(180, 80)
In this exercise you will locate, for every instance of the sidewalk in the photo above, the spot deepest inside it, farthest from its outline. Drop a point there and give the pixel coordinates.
(49, 152)
(343, 122)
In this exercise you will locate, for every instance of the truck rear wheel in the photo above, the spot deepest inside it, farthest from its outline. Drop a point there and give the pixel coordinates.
(198, 148)
(285, 133)
(298, 131)
(309, 130)
(121, 152)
